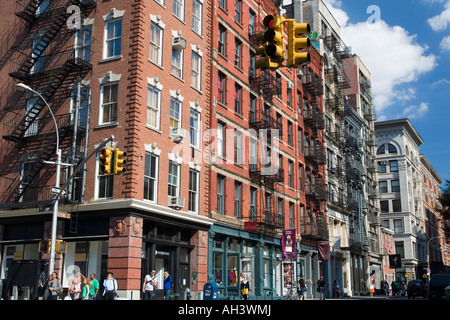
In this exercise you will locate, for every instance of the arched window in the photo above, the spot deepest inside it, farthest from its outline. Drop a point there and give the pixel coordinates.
(392, 148)
(381, 149)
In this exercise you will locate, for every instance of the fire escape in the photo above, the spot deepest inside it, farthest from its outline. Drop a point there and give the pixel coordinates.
(50, 67)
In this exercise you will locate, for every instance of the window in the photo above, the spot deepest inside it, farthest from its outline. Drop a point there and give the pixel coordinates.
(220, 194)
(393, 165)
(382, 166)
(196, 70)
(109, 101)
(177, 63)
(153, 107)
(278, 86)
(237, 11)
(193, 190)
(300, 176)
(173, 182)
(384, 206)
(291, 173)
(252, 115)
(381, 149)
(395, 186)
(253, 154)
(222, 87)
(43, 7)
(195, 128)
(289, 97)
(398, 226)
(237, 199)
(113, 38)
(223, 4)
(291, 215)
(251, 21)
(289, 128)
(299, 137)
(238, 99)
(156, 42)
(83, 40)
(178, 9)
(383, 186)
(161, 2)
(268, 205)
(237, 147)
(150, 177)
(222, 40)
(251, 71)
(237, 53)
(220, 139)
(252, 203)
(175, 113)
(400, 248)
(392, 148)
(197, 8)
(397, 205)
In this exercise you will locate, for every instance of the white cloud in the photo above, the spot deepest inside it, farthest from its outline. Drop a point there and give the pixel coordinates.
(445, 44)
(339, 14)
(442, 81)
(415, 112)
(394, 58)
(440, 21)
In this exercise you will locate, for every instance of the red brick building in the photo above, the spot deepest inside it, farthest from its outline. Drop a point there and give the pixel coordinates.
(267, 159)
(138, 70)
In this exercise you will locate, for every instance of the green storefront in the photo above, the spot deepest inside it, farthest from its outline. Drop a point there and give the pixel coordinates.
(234, 252)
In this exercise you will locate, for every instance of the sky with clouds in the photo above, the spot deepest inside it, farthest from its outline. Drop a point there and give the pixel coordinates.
(405, 44)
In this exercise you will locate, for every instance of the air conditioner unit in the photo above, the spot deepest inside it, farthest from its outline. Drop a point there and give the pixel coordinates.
(175, 203)
(178, 43)
(177, 134)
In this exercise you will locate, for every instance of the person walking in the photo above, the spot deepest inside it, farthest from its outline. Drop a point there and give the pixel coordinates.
(86, 288)
(335, 289)
(167, 285)
(321, 284)
(53, 287)
(301, 287)
(245, 286)
(75, 286)
(149, 286)
(111, 286)
(95, 286)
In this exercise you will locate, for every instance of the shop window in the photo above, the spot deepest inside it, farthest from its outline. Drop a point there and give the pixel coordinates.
(217, 270)
(232, 271)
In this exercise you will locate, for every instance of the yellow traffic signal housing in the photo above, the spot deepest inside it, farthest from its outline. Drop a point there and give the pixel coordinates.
(44, 246)
(61, 246)
(296, 42)
(106, 161)
(275, 38)
(119, 161)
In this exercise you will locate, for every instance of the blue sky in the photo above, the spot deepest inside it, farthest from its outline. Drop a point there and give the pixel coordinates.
(406, 46)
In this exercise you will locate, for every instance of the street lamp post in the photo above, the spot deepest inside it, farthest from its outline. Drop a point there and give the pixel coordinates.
(24, 87)
(428, 256)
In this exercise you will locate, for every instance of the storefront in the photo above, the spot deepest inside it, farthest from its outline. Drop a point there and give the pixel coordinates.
(233, 253)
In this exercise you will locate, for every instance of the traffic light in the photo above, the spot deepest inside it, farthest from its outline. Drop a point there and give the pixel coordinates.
(119, 161)
(272, 47)
(275, 38)
(61, 246)
(106, 161)
(296, 42)
(44, 246)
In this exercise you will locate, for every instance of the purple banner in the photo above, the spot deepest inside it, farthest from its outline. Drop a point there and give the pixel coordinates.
(288, 245)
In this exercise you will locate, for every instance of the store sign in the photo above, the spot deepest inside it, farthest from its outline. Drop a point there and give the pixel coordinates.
(395, 261)
(288, 245)
(162, 253)
(250, 226)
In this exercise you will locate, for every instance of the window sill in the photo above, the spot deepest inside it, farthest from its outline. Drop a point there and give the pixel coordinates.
(110, 59)
(153, 129)
(107, 125)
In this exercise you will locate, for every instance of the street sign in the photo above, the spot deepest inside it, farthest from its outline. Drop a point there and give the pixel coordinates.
(64, 215)
(57, 190)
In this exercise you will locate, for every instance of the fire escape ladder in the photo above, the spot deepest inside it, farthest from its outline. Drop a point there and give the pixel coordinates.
(45, 154)
(33, 112)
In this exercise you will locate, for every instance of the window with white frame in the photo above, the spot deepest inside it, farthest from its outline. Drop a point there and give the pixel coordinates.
(220, 139)
(174, 179)
(175, 113)
(113, 38)
(177, 63)
(151, 177)
(156, 43)
(193, 190)
(161, 2)
(195, 128)
(178, 9)
(196, 70)
(109, 102)
(83, 41)
(153, 107)
(197, 9)
(237, 147)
